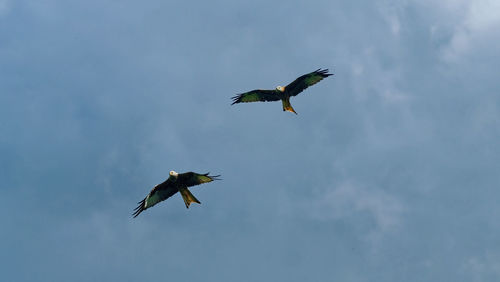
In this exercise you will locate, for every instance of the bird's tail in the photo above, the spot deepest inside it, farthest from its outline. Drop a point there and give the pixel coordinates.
(188, 197)
(287, 106)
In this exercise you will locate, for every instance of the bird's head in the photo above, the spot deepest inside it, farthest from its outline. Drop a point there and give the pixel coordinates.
(280, 88)
(173, 174)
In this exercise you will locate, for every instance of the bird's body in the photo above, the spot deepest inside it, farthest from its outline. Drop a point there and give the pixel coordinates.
(283, 93)
(176, 182)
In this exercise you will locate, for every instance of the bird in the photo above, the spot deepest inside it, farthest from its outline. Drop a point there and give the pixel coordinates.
(176, 182)
(283, 93)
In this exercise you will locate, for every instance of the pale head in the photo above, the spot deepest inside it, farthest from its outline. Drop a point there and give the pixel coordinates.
(174, 174)
(280, 88)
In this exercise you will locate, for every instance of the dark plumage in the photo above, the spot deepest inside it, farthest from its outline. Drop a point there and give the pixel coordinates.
(283, 93)
(176, 182)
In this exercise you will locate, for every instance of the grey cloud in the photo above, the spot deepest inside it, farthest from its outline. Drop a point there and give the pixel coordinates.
(388, 173)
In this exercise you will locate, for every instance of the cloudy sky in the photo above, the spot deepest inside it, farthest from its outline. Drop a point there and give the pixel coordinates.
(390, 171)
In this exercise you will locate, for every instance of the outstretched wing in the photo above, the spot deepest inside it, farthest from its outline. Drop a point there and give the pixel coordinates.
(159, 193)
(256, 96)
(191, 178)
(305, 81)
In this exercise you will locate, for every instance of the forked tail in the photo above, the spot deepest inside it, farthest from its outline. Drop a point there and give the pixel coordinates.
(188, 197)
(287, 106)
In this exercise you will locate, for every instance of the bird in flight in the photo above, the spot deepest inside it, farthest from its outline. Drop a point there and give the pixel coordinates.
(283, 93)
(176, 182)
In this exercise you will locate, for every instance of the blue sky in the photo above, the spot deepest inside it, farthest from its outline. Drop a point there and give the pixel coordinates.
(388, 173)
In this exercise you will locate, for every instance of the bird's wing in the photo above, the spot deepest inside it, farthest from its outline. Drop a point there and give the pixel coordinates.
(256, 96)
(159, 193)
(301, 83)
(192, 178)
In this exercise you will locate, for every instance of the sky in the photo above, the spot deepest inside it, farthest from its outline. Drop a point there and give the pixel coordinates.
(389, 172)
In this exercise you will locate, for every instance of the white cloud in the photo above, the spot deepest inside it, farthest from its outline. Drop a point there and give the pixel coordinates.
(369, 75)
(481, 268)
(481, 18)
(355, 200)
(391, 12)
(394, 96)
(4, 7)
(483, 15)
(470, 22)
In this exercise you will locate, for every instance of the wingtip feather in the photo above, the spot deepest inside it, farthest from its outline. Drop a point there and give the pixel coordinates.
(323, 72)
(216, 177)
(140, 208)
(236, 99)
(213, 177)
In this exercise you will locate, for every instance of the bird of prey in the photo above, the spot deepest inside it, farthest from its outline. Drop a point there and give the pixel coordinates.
(283, 93)
(176, 182)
